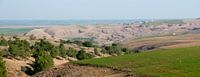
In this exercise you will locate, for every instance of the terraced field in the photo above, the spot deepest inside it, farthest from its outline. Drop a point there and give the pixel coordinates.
(179, 62)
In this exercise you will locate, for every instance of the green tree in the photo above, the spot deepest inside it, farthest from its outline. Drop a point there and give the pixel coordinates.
(3, 71)
(125, 50)
(104, 51)
(83, 55)
(62, 50)
(88, 44)
(43, 61)
(44, 45)
(114, 49)
(55, 52)
(3, 42)
(97, 52)
(71, 52)
(20, 48)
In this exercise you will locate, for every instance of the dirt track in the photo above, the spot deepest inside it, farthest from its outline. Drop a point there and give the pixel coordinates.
(71, 70)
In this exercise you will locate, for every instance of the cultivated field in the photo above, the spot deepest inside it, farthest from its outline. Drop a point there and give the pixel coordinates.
(179, 62)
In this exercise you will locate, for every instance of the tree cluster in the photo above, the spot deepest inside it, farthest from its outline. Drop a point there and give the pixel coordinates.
(3, 42)
(19, 48)
(3, 71)
(43, 61)
(114, 49)
(83, 55)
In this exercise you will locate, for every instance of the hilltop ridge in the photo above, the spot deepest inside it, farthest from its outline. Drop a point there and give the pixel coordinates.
(106, 34)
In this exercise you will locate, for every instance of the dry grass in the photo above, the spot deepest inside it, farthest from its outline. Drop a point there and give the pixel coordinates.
(165, 42)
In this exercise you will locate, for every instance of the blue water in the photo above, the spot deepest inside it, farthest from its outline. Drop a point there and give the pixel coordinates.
(63, 22)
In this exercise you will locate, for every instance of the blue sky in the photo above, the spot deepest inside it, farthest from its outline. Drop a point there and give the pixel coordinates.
(99, 9)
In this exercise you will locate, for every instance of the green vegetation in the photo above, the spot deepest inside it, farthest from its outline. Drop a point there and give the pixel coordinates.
(83, 55)
(71, 52)
(3, 42)
(180, 62)
(114, 49)
(97, 52)
(44, 45)
(3, 71)
(55, 52)
(88, 44)
(78, 42)
(62, 50)
(12, 31)
(43, 61)
(80, 39)
(19, 48)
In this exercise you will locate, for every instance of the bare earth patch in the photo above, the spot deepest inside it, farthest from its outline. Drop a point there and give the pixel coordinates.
(14, 67)
(72, 70)
(163, 42)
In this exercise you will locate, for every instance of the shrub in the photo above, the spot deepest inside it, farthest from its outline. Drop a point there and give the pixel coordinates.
(104, 51)
(44, 61)
(83, 55)
(113, 50)
(3, 42)
(65, 42)
(62, 50)
(55, 52)
(125, 50)
(87, 44)
(71, 52)
(44, 45)
(114, 44)
(3, 72)
(19, 48)
(97, 52)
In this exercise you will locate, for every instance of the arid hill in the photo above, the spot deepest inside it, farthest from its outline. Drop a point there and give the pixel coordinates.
(106, 34)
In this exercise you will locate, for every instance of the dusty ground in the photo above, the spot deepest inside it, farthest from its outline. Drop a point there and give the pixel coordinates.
(72, 70)
(14, 67)
(164, 42)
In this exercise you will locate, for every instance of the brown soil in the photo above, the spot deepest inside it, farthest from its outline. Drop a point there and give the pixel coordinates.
(72, 70)
(14, 67)
(163, 42)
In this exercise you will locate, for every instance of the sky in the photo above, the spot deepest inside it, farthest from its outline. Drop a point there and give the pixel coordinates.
(99, 9)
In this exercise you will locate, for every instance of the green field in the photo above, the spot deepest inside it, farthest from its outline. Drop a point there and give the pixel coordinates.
(181, 62)
(14, 30)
